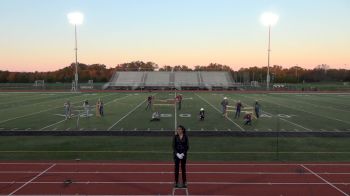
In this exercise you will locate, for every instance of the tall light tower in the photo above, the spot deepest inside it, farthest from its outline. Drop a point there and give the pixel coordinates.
(76, 18)
(268, 19)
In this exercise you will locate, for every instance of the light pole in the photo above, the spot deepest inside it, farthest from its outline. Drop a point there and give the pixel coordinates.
(76, 18)
(268, 19)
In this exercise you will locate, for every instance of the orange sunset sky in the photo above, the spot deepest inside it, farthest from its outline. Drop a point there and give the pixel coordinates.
(36, 35)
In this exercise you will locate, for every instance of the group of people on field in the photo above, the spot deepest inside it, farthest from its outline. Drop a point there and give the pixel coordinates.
(247, 117)
(86, 109)
(178, 101)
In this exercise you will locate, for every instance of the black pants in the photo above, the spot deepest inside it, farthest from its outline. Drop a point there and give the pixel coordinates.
(238, 112)
(257, 113)
(183, 169)
(179, 105)
(149, 106)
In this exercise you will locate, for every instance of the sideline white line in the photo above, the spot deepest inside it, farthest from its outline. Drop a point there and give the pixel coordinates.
(91, 110)
(126, 115)
(204, 183)
(332, 185)
(165, 172)
(242, 129)
(37, 176)
(172, 164)
(111, 195)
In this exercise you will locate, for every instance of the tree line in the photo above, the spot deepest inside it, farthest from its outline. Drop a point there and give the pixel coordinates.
(100, 73)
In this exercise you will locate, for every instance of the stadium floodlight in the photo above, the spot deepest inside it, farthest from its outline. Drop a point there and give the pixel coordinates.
(268, 19)
(76, 18)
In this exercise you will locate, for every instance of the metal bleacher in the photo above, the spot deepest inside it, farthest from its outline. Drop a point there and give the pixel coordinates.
(158, 79)
(170, 80)
(217, 79)
(186, 79)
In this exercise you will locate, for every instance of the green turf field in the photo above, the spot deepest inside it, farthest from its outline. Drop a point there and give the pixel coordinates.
(126, 111)
(209, 149)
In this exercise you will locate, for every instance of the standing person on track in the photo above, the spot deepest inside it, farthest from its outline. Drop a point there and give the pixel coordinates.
(238, 109)
(180, 148)
(224, 104)
(257, 109)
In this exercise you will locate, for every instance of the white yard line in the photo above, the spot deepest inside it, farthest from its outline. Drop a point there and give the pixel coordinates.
(296, 124)
(241, 128)
(324, 180)
(317, 106)
(31, 180)
(33, 97)
(91, 110)
(41, 111)
(335, 119)
(126, 115)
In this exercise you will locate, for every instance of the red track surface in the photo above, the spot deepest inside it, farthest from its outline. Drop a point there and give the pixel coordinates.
(120, 178)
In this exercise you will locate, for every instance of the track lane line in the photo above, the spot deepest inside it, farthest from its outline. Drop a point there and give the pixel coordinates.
(31, 180)
(324, 180)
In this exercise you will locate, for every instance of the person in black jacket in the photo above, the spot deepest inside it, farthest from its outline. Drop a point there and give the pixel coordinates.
(180, 148)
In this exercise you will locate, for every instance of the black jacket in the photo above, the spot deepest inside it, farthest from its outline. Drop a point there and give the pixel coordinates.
(180, 146)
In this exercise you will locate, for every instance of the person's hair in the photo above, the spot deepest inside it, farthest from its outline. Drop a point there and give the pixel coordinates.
(183, 129)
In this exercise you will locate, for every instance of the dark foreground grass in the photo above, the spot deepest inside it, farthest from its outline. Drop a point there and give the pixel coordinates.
(159, 148)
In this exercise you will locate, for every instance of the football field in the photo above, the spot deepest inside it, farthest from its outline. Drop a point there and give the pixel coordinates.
(306, 116)
(126, 112)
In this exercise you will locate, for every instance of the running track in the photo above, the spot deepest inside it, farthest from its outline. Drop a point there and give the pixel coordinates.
(135, 178)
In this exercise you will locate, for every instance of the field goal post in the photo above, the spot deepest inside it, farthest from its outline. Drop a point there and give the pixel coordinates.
(74, 88)
(39, 84)
(88, 85)
(91, 83)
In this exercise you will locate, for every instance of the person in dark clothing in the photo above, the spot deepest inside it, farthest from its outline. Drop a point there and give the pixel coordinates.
(201, 114)
(179, 100)
(247, 119)
(238, 109)
(155, 116)
(257, 109)
(224, 104)
(149, 102)
(101, 109)
(180, 148)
